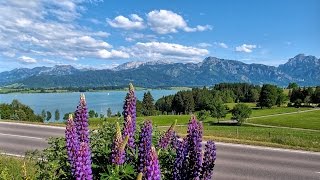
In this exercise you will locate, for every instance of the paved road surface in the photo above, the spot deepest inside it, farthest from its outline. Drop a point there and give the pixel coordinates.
(233, 161)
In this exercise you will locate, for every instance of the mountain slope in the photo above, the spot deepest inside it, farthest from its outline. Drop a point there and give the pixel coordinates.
(305, 70)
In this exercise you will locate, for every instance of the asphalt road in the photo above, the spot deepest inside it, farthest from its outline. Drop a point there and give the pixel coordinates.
(233, 161)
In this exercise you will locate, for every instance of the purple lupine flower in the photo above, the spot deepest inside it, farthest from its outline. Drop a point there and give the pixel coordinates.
(128, 131)
(174, 140)
(194, 139)
(179, 172)
(208, 161)
(83, 163)
(118, 152)
(81, 120)
(129, 109)
(153, 167)
(71, 142)
(145, 141)
(166, 138)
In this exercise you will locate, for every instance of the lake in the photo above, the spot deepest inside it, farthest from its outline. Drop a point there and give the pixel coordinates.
(67, 102)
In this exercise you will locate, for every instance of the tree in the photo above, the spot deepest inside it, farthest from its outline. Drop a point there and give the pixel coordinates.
(316, 95)
(91, 113)
(177, 103)
(57, 115)
(293, 85)
(268, 96)
(48, 115)
(21, 115)
(139, 108)
(218, 110)
(147, 103)
(109, 112)
(241, 112)
(203, 115)
(43, 115)
(280, 98)
(118, 114)
(188, 102)
(253, 95)
(96, 114)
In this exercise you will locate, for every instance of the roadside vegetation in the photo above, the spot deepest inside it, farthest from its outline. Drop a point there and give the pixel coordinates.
(16, 168)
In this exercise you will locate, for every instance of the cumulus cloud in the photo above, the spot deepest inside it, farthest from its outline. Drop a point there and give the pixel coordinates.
(204, 45)
(135, 22)
(26, 60)
(164, 22)
(48, 30)
(166, 51)
(247, 48)
(221, 44)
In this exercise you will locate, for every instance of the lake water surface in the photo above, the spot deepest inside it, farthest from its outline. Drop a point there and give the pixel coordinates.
(67, 102)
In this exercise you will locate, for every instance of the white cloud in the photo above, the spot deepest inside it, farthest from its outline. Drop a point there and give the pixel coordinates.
(135, 22)
(112, 54)
(204, 45)
(26, 60)
(37, 28)
(164, 22)
(221, 44)
(246, 48)
(166, 51)
(135, 36)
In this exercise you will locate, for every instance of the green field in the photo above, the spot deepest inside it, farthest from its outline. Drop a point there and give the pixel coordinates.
(274, 137)
(306, 120)
(12, 168)
(275, 110)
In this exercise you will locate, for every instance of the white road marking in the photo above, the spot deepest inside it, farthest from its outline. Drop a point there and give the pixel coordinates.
(31, 125)
(30, 137)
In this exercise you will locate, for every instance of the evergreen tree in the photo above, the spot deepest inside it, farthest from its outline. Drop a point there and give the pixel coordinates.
(91, 113)
(57, 115)
(268, 96)
(188, 102)
(177, 103)
(48, 115)
(109, 112)
(147, 103)
(43, 115)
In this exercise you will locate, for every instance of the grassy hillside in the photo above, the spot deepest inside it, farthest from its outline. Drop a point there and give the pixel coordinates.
(307, 120)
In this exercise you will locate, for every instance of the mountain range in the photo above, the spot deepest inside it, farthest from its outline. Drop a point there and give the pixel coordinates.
(302, 69)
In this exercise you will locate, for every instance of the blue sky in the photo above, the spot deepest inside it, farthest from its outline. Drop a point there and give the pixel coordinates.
(104, 34)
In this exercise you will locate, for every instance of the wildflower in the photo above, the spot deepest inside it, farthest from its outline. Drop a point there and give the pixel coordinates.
(166, 138)
(153, 167)
(208, 161)
(145, 141)
(129, 109)
(81, 120)
(194, 139)
(71, 142)
(83, 163)
(118, 153)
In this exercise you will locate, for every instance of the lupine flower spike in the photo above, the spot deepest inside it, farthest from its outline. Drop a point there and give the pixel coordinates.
(153, 167)
(166, 138)
(71, 142)
(117, 157)
(129, 109)
(145, 141)
(83, 163)
(208, 161)
(194, 139)
(81, 120)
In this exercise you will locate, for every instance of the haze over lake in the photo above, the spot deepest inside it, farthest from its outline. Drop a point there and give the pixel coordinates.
(67, 102)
